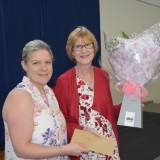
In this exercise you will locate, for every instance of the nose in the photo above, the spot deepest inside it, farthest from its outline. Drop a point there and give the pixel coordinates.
(43, 66)
(83, 47)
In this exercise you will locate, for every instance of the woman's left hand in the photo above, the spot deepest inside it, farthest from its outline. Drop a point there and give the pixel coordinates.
(142, 103)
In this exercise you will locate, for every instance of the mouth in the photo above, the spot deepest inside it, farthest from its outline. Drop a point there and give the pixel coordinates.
(43, 75)
(84, 56)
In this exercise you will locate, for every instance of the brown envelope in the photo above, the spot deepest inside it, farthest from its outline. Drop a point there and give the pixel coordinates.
(104, 145)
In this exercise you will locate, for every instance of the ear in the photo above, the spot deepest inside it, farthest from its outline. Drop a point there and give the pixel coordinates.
(24, 66)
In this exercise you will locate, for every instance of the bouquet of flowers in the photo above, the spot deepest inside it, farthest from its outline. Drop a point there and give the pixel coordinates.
(134, 61)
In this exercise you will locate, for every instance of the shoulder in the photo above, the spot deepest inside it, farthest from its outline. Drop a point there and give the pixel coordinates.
(101, 76)
(17, 98)
(68, 74)
(66, 81)
(99, 71)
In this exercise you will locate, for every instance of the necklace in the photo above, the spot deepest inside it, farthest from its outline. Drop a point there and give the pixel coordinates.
(91, 81)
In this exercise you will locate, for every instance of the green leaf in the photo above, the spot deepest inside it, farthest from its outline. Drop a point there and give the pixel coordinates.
(125, 36)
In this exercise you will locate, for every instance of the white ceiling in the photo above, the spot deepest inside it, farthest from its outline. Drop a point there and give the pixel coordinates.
(152, 2)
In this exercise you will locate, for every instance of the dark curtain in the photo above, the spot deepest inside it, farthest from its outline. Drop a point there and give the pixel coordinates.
(49, 20)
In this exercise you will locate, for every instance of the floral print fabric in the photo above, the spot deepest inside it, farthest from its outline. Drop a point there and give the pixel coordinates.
(93, 119)
(135, 60)
(49, 122)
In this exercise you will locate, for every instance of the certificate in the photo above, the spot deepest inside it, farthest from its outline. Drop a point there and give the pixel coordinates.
(104, 145)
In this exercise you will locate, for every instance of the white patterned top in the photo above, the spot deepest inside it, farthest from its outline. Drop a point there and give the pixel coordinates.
(49, 122)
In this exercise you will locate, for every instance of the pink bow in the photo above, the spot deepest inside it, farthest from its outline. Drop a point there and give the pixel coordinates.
(138, 91)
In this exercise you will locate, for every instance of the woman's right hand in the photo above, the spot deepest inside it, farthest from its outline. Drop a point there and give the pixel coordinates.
(92, 130)
(76, 149)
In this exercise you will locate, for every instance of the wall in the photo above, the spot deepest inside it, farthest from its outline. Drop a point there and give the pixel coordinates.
(128, 16)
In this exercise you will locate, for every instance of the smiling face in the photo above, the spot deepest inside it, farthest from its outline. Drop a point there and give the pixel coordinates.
(83, 56)
(38, 67)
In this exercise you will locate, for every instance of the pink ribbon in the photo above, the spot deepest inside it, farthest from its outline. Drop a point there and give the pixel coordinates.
(138, 91)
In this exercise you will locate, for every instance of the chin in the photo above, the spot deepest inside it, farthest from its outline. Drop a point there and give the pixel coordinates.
(86, 63)
(44, 81)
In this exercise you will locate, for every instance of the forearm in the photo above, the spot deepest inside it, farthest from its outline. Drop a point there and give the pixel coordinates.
(36, 151)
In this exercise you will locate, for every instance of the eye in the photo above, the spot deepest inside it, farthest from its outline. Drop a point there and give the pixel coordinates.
(78, 46)
(88, 44)
(35, 63)
(49, 62)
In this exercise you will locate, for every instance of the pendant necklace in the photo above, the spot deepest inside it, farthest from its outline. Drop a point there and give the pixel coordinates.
(91, 81)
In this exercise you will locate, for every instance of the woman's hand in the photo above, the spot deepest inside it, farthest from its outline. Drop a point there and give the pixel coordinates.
(142, 102)
(92, 130)
(76, 149)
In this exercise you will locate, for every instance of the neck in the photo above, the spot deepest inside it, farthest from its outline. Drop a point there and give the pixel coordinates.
(39, 87)
(86, 74)
(85, 71)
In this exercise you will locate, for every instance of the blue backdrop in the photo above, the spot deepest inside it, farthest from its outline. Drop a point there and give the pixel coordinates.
(49, 20)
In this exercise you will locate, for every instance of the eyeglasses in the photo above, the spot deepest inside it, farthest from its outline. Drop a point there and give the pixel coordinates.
(79, 47)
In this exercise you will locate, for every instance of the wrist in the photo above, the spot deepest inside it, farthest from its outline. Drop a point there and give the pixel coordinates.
(64, 150)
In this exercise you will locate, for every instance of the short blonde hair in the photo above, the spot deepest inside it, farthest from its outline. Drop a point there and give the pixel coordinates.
(83, 32)
(34, 46)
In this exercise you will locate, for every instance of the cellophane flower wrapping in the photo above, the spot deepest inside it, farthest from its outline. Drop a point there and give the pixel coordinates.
(135, 60)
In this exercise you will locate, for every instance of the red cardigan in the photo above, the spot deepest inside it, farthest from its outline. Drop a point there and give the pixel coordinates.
(66, 93)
